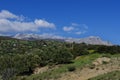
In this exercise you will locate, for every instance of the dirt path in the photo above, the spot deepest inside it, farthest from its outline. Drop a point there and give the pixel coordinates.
(87, 73)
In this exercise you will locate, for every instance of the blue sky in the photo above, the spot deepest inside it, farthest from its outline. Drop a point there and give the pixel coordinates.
(66, 18)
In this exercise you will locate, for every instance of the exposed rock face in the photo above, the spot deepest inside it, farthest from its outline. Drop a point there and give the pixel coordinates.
(88, 40)
(37, 36)
(27, 36)
(94, 40)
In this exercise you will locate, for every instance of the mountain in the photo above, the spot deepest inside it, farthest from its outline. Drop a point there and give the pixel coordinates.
(27, 36)
(88, 40)
(36, 36)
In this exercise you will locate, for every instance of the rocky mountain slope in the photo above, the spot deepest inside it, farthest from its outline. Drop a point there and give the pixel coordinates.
(88, 40)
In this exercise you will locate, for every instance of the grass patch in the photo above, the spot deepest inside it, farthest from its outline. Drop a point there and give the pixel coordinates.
(109, 76)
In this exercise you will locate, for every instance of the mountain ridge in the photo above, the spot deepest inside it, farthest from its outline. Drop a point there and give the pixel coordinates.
(94, 40)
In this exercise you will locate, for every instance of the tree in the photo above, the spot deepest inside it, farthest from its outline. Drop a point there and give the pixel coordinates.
(63, 56)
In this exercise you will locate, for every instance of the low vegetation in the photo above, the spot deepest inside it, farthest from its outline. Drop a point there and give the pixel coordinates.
(77, 64)
(19, 58)
(115, 75)
(71, 68)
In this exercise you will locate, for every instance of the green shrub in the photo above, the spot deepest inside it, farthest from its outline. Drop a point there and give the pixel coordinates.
(71, 68)
(104, 62)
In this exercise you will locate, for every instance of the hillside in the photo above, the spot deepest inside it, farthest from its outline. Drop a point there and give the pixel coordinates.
(103, 66)
(21, 59)
(83, 69)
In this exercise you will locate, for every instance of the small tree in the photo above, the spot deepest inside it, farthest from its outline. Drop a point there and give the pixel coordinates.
(8, 73)
(63, 56)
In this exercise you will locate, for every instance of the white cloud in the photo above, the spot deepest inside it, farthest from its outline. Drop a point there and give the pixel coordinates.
(19, 24)
(44, 23)
(68, 28)
(75, 28)
(75, 24)
(6, 14)
(85, 26)
(78, 33)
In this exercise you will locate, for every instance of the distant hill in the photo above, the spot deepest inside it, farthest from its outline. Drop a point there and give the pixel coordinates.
(6, 38)
(88, 40)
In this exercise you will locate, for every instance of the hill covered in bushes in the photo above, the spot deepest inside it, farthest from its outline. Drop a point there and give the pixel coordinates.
(21, 57)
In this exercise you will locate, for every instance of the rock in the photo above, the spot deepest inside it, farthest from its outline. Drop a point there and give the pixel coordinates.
(100, 61)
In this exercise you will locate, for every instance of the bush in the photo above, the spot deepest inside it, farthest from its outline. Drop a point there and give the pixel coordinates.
(104, 62)
(62, 56)
(71, 68)
(7, 74)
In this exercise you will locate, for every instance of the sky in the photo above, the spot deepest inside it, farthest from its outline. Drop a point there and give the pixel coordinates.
(62, 18)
